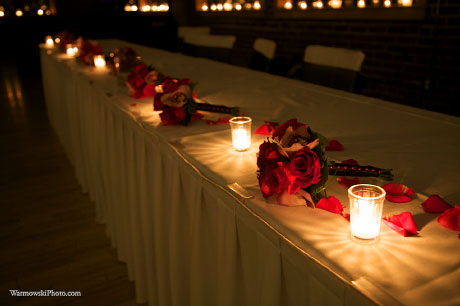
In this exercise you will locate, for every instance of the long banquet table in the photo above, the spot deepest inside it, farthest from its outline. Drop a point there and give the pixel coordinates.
(187, 239)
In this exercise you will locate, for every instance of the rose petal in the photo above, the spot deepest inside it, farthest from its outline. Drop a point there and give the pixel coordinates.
(267, 128)
(222, 120)
(331, 204)
(350, 162)
(398, 193)
(346, 182)
(403, 224)
(346, 216)
(434, 204)
(334, 145)
(451, 218)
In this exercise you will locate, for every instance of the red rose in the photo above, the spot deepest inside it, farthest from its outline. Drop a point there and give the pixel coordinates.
(172, 115)
(149, 90)
(157, 105)
(141, 70)
(279, 132)
(306, 168)
(273, 181)
(268, 156)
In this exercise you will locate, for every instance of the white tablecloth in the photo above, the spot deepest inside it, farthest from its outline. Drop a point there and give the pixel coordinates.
(188, 240)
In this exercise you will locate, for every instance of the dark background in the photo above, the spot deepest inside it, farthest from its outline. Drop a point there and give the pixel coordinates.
(413, 62)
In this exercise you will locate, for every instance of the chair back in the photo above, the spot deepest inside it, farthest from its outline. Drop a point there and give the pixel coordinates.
(263, 54)
(216, 47)
(333, 67)
(183, 31)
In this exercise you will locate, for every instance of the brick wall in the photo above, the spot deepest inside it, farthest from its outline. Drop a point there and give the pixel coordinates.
(414, 62)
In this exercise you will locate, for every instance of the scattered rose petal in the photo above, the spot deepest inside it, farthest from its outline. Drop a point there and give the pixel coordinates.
(331, 204)
(346, 182)
(398, 193)
(350, 162)
(267, 128)
(451, 218)
(197, 116)
(403, 224)
(334, 145)
(346, 216)
(222, 120)
(134, 104)
(434, 204)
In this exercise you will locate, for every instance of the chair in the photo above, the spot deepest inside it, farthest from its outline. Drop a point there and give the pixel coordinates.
(262, 55)
(333, 67)
(216, 47)
(183, 31)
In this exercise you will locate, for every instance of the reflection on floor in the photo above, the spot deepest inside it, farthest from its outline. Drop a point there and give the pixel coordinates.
(48, 236)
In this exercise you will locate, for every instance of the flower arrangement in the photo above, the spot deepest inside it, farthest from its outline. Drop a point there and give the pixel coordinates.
(122, 59)
(87, 49)
(293, 167)
(292, 164)
(176, 100)
(143, 80)
(65, 38)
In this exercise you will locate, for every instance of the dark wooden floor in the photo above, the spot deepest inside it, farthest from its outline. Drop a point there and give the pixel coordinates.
(48, 237)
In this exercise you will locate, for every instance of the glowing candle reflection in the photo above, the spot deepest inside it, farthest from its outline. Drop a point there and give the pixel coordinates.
(241, 133)
(366, 205)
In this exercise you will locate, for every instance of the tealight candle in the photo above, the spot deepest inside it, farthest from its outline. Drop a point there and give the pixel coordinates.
(256, 5)
(99, 61)
(361, 4)
(405, 2)
(288, 5)
(241, 133)
(335, 4)
(387, 3)
(70, 50)
(366, 205)
(49, 42)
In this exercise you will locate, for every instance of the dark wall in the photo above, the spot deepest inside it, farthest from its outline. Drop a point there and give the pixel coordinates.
(410, 62)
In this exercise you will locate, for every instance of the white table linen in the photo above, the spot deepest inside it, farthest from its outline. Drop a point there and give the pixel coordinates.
(188, 240)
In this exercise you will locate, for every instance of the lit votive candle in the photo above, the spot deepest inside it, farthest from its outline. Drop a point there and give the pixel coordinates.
(405, 2)
(318, 4)
(288, 5)
(241, 132)
(366, 205)
(335, 4)
(99, 61)
(361, 4)
(49, 42)
(70, 50)
(257, 5)
(387, 3)
(302, 5)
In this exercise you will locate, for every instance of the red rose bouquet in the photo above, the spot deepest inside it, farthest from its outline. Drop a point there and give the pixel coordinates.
(65, 38)
(143, 80)
(123, 59)
(176, 100)
(87, 49)
(292, 165)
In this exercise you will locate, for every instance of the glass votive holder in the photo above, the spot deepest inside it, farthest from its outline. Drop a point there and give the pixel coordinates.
(70, 50)
(366, 205)
(49, 42)
(241, 132)
(99, 61)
